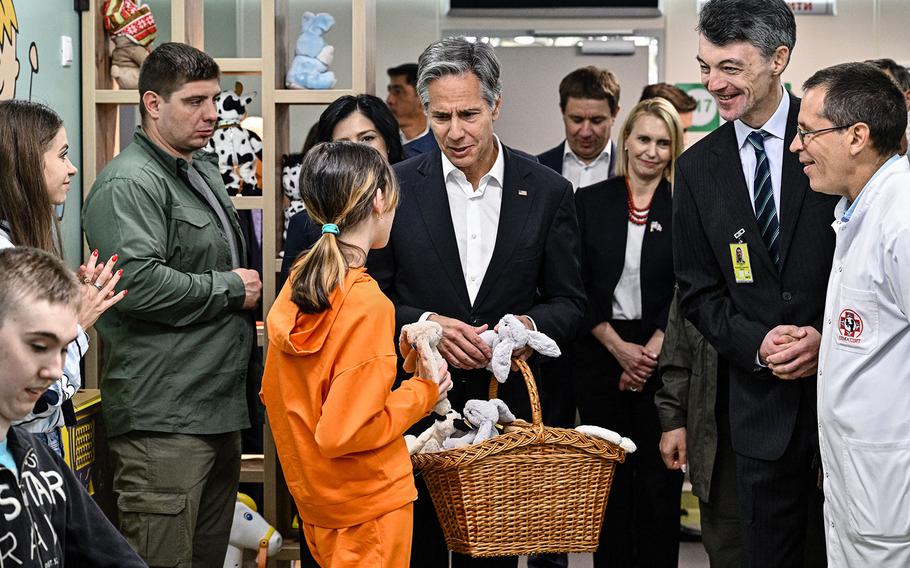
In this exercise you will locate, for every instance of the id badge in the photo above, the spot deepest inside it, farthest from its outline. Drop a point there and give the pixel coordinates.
(742, 268)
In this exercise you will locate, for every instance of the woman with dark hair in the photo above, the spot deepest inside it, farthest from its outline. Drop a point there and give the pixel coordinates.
(34, 156)
(353, 118)
(365, 119)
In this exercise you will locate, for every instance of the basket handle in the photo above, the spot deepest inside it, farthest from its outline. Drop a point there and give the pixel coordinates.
(536, 416)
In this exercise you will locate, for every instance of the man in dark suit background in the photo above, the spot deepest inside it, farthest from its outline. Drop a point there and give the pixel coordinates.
(740, 187)
(589, 102)
(481, 232)
(404, 103)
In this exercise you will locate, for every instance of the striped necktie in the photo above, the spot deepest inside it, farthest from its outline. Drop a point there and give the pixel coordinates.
(765, 210)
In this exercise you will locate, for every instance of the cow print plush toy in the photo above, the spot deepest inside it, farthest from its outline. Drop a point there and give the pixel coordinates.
(290, 182)
(237, 147)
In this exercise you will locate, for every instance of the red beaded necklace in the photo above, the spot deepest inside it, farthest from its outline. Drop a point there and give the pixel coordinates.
(637, 216)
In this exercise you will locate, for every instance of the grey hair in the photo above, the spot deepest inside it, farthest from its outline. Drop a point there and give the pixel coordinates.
(457, 56)
(766, 24)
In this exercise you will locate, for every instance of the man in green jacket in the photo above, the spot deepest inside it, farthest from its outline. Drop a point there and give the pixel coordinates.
(693, 409)
(177, 348)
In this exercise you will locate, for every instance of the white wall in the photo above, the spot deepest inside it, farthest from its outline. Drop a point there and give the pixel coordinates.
(862, 29)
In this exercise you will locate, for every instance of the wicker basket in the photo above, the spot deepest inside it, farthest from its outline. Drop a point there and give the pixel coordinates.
(532, 490)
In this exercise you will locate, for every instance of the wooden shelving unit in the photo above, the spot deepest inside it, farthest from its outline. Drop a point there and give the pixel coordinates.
(101, 100)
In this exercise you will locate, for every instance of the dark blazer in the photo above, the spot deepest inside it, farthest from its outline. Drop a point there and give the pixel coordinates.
(552, 158)
(422, 145)
(711, 204)
(603, 223)
(534, 269)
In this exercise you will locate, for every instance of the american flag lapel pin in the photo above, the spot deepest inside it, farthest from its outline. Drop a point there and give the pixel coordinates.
(522, 193)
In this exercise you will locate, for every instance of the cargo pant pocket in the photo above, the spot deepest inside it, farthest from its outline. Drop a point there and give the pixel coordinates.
(157, 526)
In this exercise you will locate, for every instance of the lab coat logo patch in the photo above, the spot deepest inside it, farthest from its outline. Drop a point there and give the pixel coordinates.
(850, 327)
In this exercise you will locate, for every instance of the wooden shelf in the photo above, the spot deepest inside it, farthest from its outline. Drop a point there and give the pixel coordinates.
(248, 202)
(116, 97)
(252, 468)
(101, 142)
(290, 548)
(309, 97)
(240, 65)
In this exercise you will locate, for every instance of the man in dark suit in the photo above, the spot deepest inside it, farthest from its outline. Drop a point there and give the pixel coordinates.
(481, 232)
(404, 103)
(740, 188)
(589, 102)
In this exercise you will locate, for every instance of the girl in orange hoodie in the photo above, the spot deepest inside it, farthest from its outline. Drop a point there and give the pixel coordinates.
(338, 426)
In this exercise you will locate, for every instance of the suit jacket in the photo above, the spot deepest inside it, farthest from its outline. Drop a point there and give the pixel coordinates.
(711, 204)
(603, 223)
(534, 269)
(553, 157)
(422, 145)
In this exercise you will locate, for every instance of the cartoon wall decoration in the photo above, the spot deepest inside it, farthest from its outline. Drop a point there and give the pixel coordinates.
(9, 59)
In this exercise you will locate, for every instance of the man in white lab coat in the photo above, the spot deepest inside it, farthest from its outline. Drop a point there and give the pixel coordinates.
(850, 127)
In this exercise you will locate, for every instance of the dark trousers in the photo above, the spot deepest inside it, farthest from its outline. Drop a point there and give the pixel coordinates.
(176, 494)
(720, 524)
(780, 502)
(557, 396)
(641, 523)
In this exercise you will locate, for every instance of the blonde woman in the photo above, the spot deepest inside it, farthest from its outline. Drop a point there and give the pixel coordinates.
(627, 267)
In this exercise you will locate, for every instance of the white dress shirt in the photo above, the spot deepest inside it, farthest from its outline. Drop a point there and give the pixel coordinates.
(627, 294)
(406, 140)
(581, 174)
(774, 148)
(475, 216)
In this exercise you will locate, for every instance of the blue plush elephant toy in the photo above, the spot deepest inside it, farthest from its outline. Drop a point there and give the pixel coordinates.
(310, 67)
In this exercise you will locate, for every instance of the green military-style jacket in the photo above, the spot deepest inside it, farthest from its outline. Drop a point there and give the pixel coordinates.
(176, 349)
(688, 373)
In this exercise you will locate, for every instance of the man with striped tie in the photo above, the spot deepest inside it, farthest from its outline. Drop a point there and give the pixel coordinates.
(752, 248)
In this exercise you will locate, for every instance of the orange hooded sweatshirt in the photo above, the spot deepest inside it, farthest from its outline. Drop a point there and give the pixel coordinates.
(338, 426)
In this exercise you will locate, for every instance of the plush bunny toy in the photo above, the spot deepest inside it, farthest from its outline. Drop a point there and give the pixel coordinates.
(483, 415)
(310, 67)
(432, 439)
(510, 335)
(420, 340)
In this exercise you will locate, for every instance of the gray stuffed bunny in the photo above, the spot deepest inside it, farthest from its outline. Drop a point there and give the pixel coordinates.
(510, 335)
(483, 415)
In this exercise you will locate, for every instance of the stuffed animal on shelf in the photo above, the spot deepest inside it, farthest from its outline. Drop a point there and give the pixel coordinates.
(290, 183)
(510, 335)
(483, 416)
(132, 30)
(237, 148)
(250, 531)
(312, 57)
(420, 340)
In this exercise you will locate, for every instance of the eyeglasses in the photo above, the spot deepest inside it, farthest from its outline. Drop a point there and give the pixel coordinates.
(803, 133)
